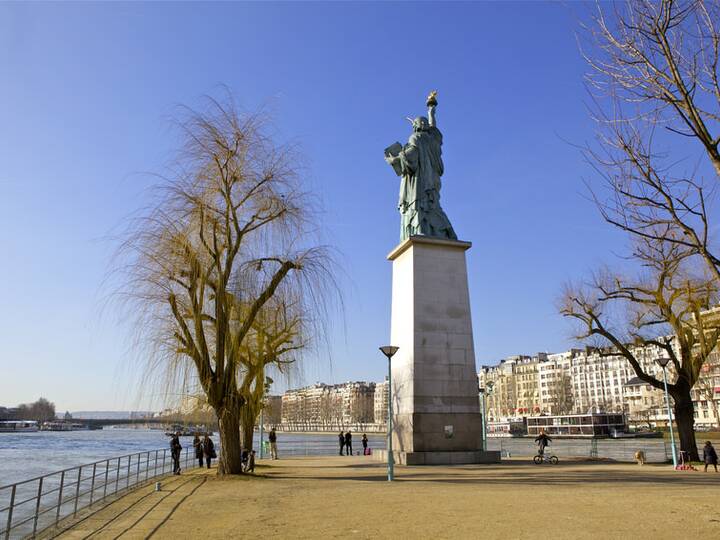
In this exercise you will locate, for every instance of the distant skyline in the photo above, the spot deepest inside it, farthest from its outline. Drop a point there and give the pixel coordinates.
(85, 105)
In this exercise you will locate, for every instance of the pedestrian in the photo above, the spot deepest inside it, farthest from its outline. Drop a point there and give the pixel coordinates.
(710, 456)
(341, 440)
(175, 449)
(348, 443)
(208, 450)
(199, 452)
(365, 444)
(272, 437)
(251, 463)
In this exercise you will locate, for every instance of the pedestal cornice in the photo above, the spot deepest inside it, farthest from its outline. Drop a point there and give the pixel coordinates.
(427, 240)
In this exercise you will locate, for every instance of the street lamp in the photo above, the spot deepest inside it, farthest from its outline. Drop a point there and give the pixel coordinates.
(487, 390)
(268, 382)
(663, 362)
(389, 351)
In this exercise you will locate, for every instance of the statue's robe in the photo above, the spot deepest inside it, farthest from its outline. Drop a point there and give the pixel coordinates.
(419, 204)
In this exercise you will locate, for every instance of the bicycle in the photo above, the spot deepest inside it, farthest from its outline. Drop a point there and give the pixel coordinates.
(542, 458)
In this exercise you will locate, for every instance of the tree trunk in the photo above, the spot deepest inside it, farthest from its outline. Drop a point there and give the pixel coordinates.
(685, 420)
(231, 453)
(248, 427)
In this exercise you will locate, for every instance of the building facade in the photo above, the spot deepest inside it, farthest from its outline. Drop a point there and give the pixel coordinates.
(592, 380)
(324, 406)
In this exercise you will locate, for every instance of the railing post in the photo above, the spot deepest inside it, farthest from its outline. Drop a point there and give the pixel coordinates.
(147, 466)
(77, 490)
(10, 512)
(117, 476)
(107, 470)
(37, 505)
(59, 501)
(127, 482)
(155, 466)
(163, 463)
(187, 455)
(137, 471)
(92, 484)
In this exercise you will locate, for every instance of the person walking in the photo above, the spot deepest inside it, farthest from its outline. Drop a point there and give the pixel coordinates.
(175, 449)
(365, 443)
(341, 440)
(272, 437)
(710, 456)
(199, 452)
(208, 450)
(348, 443)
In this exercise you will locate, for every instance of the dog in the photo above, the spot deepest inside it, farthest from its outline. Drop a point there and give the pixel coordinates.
(640, 457)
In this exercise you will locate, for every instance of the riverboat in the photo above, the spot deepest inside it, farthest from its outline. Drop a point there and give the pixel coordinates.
(18, 426)
(64, 426)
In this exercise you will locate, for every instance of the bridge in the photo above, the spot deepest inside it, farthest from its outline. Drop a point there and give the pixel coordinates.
(99, 422)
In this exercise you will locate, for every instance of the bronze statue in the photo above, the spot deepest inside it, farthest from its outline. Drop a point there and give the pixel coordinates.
(419, 164)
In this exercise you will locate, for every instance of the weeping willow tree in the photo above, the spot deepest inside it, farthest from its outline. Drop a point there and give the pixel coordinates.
(229, 229)
(280, 330)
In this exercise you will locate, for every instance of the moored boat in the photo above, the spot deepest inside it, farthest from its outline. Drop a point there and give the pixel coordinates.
(18, 426)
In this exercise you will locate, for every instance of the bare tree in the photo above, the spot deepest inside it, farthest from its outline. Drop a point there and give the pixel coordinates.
(215, 248)
(562, 397)
(655, 85)
(41, 410)
(654, 82)
(668, 307)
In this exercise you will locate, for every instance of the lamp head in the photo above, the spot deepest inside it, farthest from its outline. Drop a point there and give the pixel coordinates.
(663, 361)
(389, 350)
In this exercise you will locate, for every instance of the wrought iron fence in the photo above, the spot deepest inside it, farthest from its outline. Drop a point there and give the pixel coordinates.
(30, 506)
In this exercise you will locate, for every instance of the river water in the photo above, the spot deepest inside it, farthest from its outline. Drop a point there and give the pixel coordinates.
(27, 455)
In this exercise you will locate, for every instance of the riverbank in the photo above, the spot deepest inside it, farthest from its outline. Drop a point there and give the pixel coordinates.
(335, 497)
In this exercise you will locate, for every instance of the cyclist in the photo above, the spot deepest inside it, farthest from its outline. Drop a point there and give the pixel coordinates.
(542, 441)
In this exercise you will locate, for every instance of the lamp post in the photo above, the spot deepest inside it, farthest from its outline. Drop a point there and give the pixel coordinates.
(483, 392)
(663, 362)
(268, 382)
(389, 351)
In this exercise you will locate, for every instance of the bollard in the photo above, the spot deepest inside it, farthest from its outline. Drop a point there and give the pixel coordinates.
(158, 486)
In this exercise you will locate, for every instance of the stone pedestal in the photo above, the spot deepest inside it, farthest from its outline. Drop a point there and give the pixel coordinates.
(434, 381)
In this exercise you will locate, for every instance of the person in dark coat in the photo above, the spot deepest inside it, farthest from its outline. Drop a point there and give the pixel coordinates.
(208, 450)
(175, 449)
(364, 443)
(250, 467)
(198, 445)
(542, 441)
(273, 444)
(341, 440)
(710, 456)
(348, 443)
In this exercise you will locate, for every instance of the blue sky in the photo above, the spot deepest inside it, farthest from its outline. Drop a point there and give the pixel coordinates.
(86, 94)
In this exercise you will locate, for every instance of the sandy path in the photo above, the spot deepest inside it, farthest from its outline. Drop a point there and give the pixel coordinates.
(350, 497)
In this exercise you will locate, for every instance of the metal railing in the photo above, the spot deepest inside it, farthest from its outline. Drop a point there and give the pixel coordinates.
(30, 506)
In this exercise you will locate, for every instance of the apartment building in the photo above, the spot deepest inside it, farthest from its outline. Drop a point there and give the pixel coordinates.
(380, 402)
(582, 381)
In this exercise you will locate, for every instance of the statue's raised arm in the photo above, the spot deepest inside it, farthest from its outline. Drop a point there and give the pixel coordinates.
(431, 103)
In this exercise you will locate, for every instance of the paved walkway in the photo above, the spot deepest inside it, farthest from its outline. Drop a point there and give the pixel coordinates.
(345, 497)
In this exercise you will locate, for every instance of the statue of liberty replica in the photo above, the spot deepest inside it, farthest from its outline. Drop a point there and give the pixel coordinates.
(419, 164)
